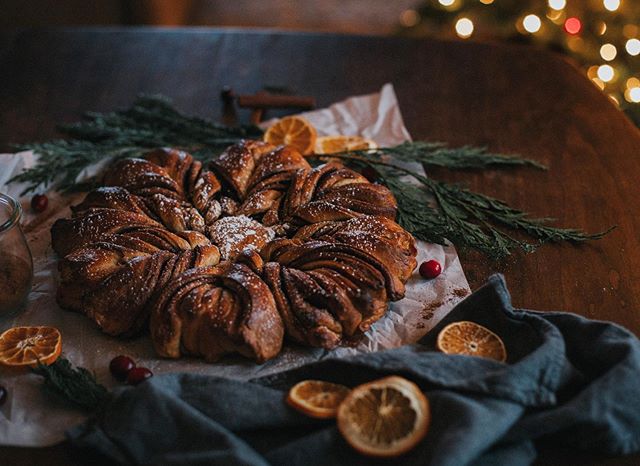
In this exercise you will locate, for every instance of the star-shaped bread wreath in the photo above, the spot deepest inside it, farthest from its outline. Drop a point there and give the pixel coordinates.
(233, 256)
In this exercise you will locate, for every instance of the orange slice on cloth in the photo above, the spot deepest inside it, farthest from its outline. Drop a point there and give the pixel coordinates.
(27, 346)
(384, 418)
(341, 143)
(471, 339)
(292, 131)
(317, 398)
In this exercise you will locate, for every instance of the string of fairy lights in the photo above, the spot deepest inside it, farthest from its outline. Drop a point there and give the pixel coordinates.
(603, 36)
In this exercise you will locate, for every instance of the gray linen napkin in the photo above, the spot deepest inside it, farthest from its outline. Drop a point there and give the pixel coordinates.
(568, 380)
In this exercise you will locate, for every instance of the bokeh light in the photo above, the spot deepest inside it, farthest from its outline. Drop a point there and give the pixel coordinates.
(601, 28)
(606, 73)
(608, 52)
(598, 82)
(464, 27)
(630, 30)
(633, 82)
(409, 18)
(572, 25)
(557, 4)
(575, 44)
(531, 23)
(611, 5)
(633, 47)
(603, 36)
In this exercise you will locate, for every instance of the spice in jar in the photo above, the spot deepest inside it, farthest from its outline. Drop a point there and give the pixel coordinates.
(15, 282)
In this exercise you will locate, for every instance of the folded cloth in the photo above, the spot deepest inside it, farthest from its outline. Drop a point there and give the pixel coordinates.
(567, 379)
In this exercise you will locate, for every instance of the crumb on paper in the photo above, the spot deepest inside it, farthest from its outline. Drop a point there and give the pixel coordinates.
(429, 309)
(460, 292)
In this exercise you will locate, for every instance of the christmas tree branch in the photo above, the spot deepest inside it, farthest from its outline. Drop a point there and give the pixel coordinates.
(151, 122)
(76, 386)
(466, 218)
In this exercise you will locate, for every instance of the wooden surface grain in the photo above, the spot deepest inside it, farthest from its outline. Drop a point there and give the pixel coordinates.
(511, 99)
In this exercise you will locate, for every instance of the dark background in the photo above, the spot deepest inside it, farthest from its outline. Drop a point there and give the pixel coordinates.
(348, 16)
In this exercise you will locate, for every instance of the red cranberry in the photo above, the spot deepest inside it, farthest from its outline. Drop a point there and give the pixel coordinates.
(430, 269)
(39, 202)
(3, 395)
(120, 366)
(138, 375)
(370, 174)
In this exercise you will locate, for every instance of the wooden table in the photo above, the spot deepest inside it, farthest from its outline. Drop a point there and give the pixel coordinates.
(512, 99)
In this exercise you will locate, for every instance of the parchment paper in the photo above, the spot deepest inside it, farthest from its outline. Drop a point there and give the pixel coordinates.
(31, 418)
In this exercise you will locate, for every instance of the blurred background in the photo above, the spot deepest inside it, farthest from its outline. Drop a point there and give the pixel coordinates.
(349, 16)
(600, 36)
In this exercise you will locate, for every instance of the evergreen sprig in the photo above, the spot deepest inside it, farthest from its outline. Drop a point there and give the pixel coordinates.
(76, 386)
(150, 122)
(434, 211)
(466, 157)
(455, 213)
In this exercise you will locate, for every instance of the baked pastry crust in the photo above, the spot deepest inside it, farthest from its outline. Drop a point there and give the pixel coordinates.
(233, 257)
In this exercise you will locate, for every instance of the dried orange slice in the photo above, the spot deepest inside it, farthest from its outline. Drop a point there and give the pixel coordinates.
(292, 131)
(384, 418)
(471, 339)
(26, 346)
(317, 398)
(341, 143)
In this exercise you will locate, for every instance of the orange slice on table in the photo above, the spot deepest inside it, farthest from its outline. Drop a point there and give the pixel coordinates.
(341, 143)
(317, 398)
(471, 339)
(27, 346)
(384, 418)
(292, 131)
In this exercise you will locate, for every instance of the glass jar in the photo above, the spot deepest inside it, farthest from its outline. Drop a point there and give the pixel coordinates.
(16, 264)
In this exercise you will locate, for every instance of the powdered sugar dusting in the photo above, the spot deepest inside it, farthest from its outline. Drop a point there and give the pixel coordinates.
(233, 235)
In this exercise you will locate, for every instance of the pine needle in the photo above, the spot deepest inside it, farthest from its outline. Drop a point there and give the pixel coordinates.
(465, 218)
(466, 157)
(151, 122)
(76, 386)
